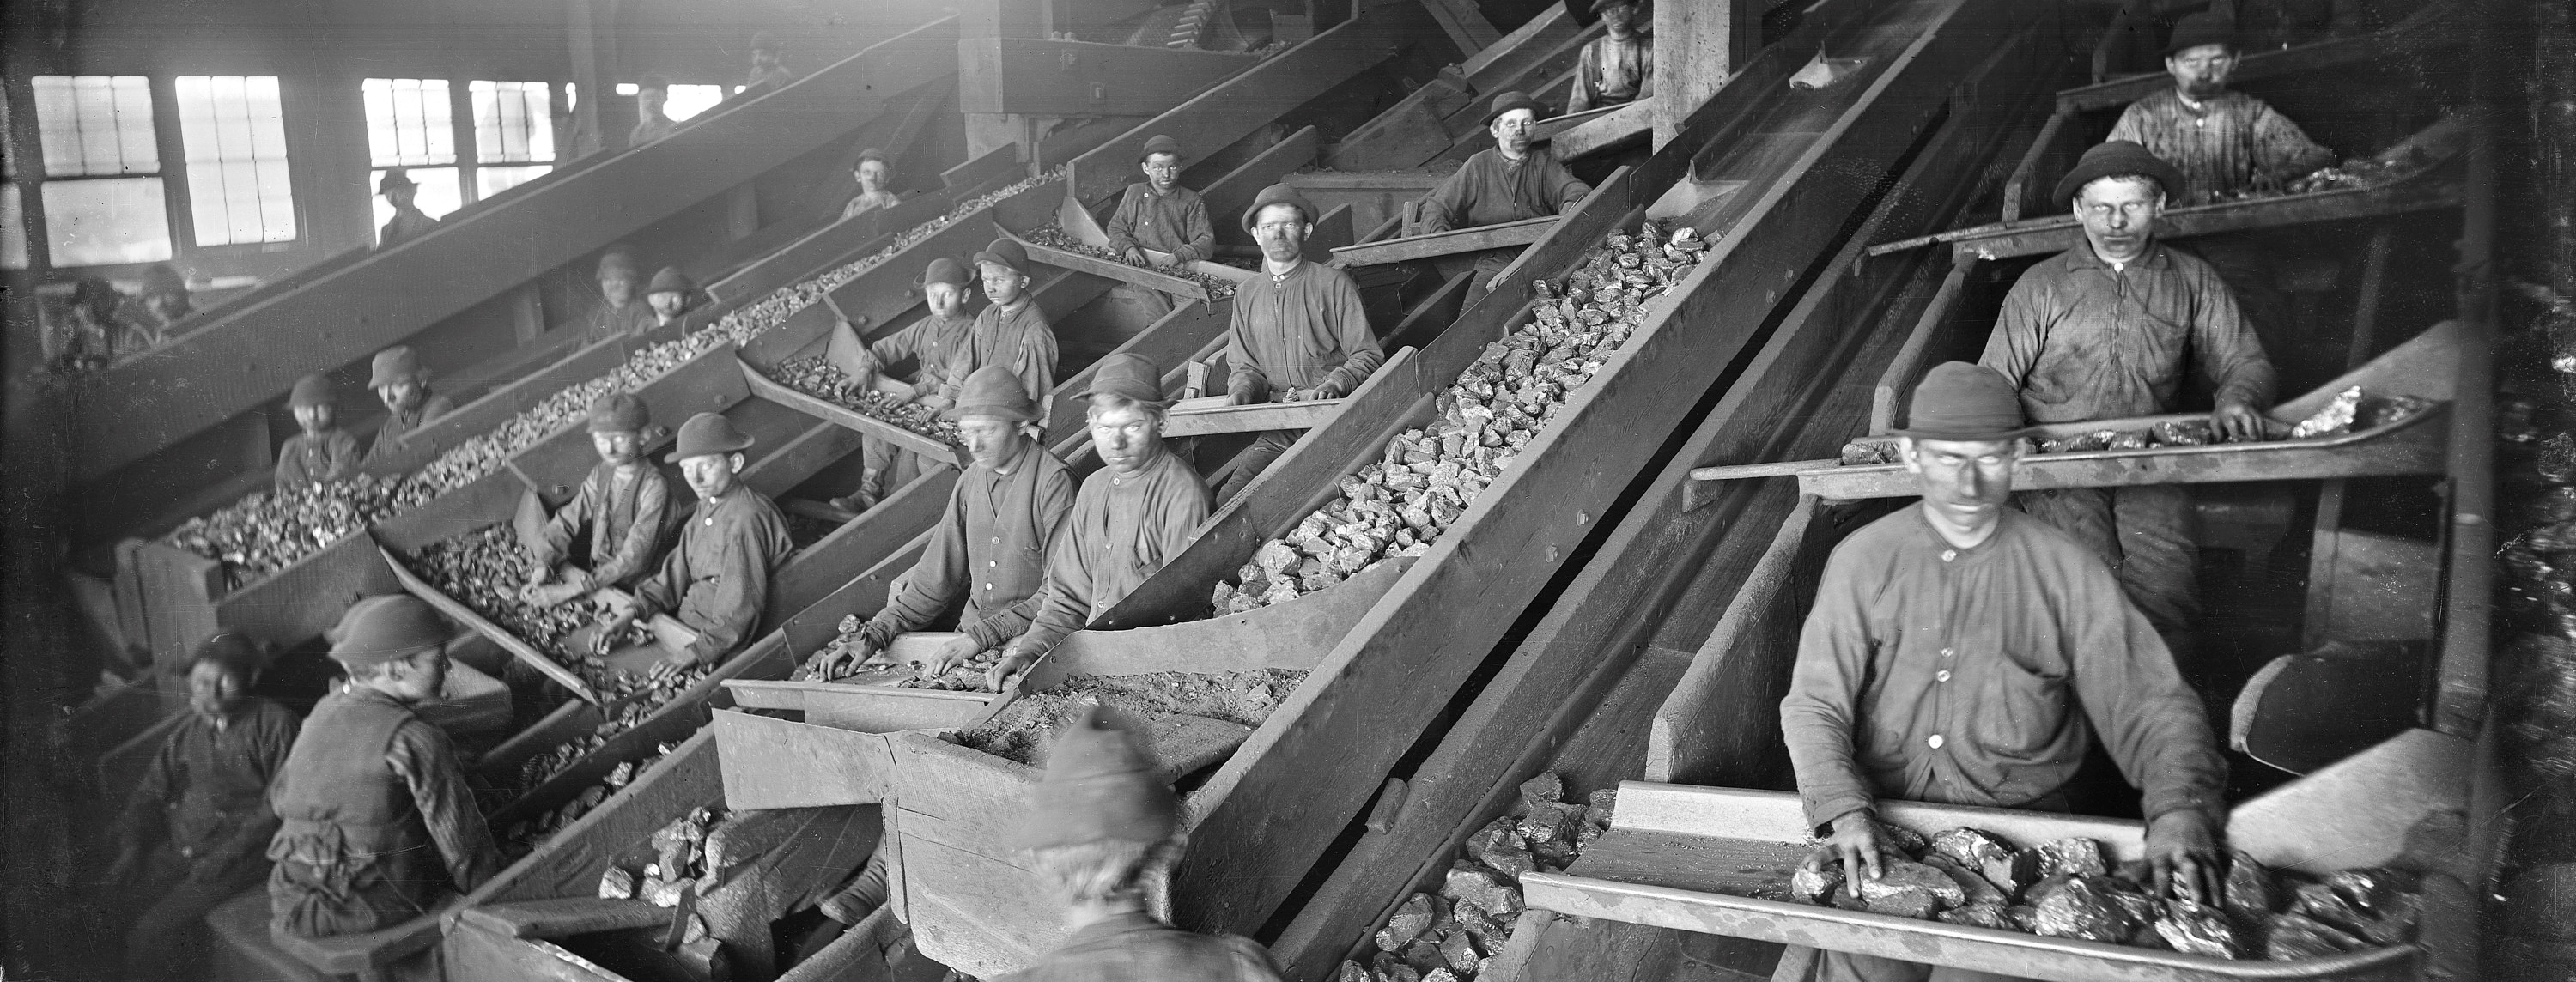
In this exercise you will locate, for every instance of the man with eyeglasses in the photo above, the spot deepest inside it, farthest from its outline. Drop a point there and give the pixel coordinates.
(1514, 180)
(1157, 213)
(2107, 330)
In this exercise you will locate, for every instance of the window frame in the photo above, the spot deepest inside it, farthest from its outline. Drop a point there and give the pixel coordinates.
(295, 195)
(33, 172)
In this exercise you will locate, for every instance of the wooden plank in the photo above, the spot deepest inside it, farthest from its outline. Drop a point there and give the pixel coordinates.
(1551, 28)
(569, 864)
(801, 457)
(1939, 330)
(2424, 27)
(1179, 286)
(761, 386)
(1046, 77)
(2058, 233)
(1449, 243)
(1746, 472)
(457, 611)
(564, 916)
(1603, 129)
(1254, 418)
(842, 556)
(828, 246)
(1464, 23)
(1228, 196)
(777, 763)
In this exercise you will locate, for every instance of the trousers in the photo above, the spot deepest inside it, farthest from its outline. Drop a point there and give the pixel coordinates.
(1254, 459)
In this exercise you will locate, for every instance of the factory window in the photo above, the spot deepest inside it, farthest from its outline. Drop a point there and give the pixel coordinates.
(13, 229)
(686, 101)
(235, 136)
(102, 190)
(514, 135)
(411, 124)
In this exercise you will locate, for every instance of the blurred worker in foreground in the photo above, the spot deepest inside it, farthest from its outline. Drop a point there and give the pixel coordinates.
(624, 506)
(873, 174)
(1159, 214)
(716, 581)
(622, 312)
(1960, 652)
(768, 67)
(377, 822)
(652, 117)
(195, 833)
(1098, 825)
(1619, 66)
(409, 222)
(323, 452)
(1133, 515)
(1299, 337)
(165, 300)
(2107, 330)
(1513, 181)
(402, 382)
(669, 296)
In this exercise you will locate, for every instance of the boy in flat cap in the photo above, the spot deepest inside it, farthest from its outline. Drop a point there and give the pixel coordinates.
(1619, 66)
(625, 505)
(402, 382)
(1098, 824)
(622, 311)
(670, 295)
(873, 174)
(165, 300)
(948, 346)
(652, 122)
(1513, 180)
(1302, 335)
(375, 818)
(1157, 213)
(716, 581)
(323, 452)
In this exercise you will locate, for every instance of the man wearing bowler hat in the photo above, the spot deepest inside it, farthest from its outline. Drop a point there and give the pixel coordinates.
(2108, 329)
(1514, 180)
(1963, 653)
(1619, 66)
(1299, 335)
(716, 581)
(402, 382)
(1133, 515)
(409, 222)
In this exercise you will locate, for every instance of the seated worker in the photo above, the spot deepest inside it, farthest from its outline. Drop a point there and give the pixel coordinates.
(2107, 330)
(409, 222)
(1133, 515)
(1098, 823)
(1301, 336)
(872, 174)
(403, 383)
(768, 67)
(652, 119)
(323, 452)
(1011, 332)
(1619, 66)
(622, 312)
(624, 506)
(1960, 652)
(195, 833)
(165, 300)
(1158, 213)
(716, 581)
(94, 329)
(670, 295)
(1509, 183)
(376, 820)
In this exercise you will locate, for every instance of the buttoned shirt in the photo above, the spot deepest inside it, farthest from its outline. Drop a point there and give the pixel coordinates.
(1017, 338)
(388, 447)
(716, 581)
(1120, 533)
(206, 789)
(2227, 143)
(1131, 947)
(1490, 189)
(1302, 329)
(1611, 71)
(1176, 223)
(991, 547)
(1979, 676)
(2083, 340)
(626, 514)
(317, 458)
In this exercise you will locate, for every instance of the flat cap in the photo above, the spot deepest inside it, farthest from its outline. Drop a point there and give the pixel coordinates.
(1507, 101)
(2114, 158)
(619, 412)
(2206, 27)
(993, 391)
(1126, 374)
(1160, 143)
(385, 628)
(670, 280)
(1961, 401)
(1008, 252)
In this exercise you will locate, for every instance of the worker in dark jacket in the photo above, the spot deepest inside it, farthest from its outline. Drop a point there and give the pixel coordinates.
(323, 452)
(670, 295)
(376, 820)
(1157, 213)
(622, 312)
(1513, 181)
(403, 383)
(1133, 515)
(1098, 824)
(409, 222)
(1300, 336)
(1960, 652)
(195, 833)
(716, 581)
(624, 506)
(1619, 66)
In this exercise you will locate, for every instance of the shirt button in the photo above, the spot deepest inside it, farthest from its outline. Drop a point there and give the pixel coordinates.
(1934, 740)
(1949, 554)
(1945, 652)
(1941, 676)
(997, 540)
(988, 586)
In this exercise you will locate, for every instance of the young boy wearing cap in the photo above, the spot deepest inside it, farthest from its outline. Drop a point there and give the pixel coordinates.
(1158, 213)
(769, 70)
(323, 452)
(652, 122)
(872, 173)
(1961, 652)
(625, 504)
(409, 222)
(716, 581)
(402, 382)
(375, 818)
(1509, 182)
(1099, 822)
(195, 832)
(1300, 336)
(947, 347)
(669, 296)
(1617, 67)
(1133, 515)
(621, 312)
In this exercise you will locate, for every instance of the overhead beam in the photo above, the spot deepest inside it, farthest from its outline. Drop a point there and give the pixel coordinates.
(1464, 23)
(1040, 77)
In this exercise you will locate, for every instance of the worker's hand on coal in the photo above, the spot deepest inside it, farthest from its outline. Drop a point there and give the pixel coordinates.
(1855, 843)
(539, 574)
(673, 662)
(1305, 395)
(1006, 673)
(936, 403)
(1136, 254)
(2182, 850)
(612, 626)
(2236, 421)
(950, 654)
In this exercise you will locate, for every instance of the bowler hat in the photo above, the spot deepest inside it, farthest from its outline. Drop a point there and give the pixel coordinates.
(670, 280)
(1126, 374)
(1960, 401)
(233, 650)
(395, 366)
(708, 433)
(1279, 194)
(1515, 99)
(382, 629)
(993, 391)
(2117, 157)
(2206, 27)
(1160, 144)
(949, 271)
(1098, 786)
(394, 179)
(1601, 5)
(1006, 251)
(619, 412)
(312, 390)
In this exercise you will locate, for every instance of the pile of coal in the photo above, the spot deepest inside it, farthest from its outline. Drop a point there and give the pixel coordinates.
(635, 700)
(522, 837)
(1054, 237)
(817, 377)
(1026, 727)
(1453, 935)
(2070, 888)
(267, 531)
(679, 863)
(1430, 474)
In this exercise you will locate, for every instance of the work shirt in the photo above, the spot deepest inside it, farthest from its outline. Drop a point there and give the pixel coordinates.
(1176, 223)
(991, 546)
(375, 820)
(627, 515)
(1611, 71)
(1978, 676)
(407, 224)
(1017, 338)
(863, 203)
(717, 580)
(1301, 329)
(651, 128)
(206, 789)
(2081, 340)
(1120, 533)
(317, 458)
(1132, 947)
(2229, 143)
(388, 445)
(1490, 189)
(634, 318)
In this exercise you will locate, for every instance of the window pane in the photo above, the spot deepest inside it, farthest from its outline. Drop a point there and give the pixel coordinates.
(494, 180)
(235, 135)
(13, 229)
(439, 193)
(409, 122)
(512, 123)
(690, 100)
(117, 220)
(95, 125)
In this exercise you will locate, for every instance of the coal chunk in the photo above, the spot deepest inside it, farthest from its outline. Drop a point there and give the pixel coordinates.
(1980, 915)
(1977, 889)
(2253, 891)
(2089, 908)
(2288, 937)
(1903, 886)
(2198, 929)
(1815, 884)
(2071, 857)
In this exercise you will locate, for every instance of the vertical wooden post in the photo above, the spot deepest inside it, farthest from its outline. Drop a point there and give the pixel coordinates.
(978, 19)
(1698, 43)
(590, 77)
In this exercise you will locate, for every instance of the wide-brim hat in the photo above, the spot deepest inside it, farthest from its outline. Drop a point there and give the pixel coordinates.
(1279, 194)
(1961, 401)
(1159, 143)
(2118, 157)
(1126, 374)
(2206, 27)
(670, 280)
(954, 272)
(993, 391)
(394, 366)
(395, 179)
(382, 629)
(1098, 786)
(619, 412)
(312, 390)
(1508, 101)
(708, 433)
(1008, 252)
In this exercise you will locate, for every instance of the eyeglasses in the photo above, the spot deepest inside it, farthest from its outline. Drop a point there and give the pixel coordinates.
(1275, 228)
(1162, 168)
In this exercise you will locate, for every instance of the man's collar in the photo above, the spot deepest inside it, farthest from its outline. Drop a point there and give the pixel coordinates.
(2153, 258)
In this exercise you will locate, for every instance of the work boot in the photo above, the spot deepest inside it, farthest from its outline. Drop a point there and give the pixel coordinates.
(871, 490)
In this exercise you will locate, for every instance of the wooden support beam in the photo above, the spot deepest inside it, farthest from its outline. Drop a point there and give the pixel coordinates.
(1527, 45)
(1255, 418)
(1040, 77)
(1229, 195)
(2058, 233)
(1179, 286)
(1464, 23)
(764, 388)
(1453, 242)
(1603, 129)
(1697, 46)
